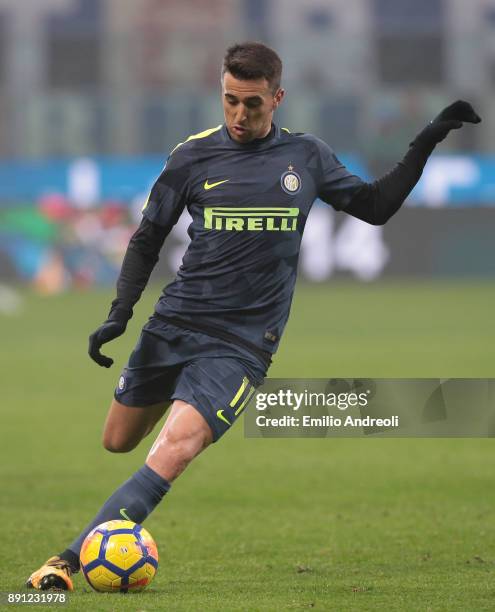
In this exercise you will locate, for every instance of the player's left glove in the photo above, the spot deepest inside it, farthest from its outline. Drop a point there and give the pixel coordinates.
(113, 327)
(451, 118)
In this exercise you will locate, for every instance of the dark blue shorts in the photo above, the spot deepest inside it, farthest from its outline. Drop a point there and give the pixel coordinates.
(169, 362)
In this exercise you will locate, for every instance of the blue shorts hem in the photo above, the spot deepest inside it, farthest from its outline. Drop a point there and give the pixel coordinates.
(138, 403)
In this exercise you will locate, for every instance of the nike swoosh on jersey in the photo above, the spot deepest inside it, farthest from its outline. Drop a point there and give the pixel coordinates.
(211, 185)
(222, 417)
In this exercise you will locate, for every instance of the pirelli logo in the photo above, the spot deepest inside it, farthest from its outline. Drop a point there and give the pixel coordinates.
(271, 219)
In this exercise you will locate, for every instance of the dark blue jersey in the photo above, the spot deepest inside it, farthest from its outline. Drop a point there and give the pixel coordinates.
(249, 204)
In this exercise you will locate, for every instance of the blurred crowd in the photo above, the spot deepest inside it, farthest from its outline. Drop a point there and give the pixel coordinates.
(55, 245)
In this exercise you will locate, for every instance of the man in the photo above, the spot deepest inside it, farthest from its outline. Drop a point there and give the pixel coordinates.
(249, 186)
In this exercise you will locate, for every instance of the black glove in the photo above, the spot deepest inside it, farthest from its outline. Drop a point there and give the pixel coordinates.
(113, 327)
(451, 118)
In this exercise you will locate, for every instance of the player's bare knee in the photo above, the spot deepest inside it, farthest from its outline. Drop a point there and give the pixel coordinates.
(116, 445)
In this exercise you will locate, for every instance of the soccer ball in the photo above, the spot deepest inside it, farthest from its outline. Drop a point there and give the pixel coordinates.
(119, 556)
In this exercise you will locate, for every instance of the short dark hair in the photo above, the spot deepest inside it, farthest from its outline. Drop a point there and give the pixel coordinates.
(253, 60)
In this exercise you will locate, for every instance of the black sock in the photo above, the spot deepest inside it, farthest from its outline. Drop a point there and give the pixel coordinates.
(71, 558)
(134, 500)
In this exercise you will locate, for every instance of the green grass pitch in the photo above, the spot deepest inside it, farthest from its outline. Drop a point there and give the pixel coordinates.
(253, 524)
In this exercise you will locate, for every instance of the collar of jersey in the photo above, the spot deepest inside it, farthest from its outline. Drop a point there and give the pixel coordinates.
(254, 144)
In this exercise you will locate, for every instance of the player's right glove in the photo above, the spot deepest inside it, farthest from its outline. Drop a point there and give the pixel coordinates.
(113, 327)
(451, 118)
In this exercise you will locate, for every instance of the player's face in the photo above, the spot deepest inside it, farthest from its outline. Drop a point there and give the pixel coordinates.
(248, 107)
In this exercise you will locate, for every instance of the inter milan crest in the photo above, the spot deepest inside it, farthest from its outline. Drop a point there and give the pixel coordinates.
(121, 384)
(290, 181)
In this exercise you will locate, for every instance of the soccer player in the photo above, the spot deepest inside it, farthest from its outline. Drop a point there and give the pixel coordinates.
(249, 186)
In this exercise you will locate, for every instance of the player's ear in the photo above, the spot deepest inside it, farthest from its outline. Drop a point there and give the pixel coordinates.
(278, 97)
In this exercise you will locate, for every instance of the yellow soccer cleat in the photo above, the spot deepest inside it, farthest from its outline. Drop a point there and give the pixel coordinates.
(54, 574)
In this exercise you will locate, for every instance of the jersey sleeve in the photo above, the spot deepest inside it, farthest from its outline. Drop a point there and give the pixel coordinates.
(169, 194)
(336, 185)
